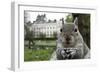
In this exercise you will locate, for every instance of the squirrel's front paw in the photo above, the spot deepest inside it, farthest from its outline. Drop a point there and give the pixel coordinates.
(66, 53)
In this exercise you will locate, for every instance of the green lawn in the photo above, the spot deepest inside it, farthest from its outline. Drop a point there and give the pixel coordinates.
(41, 51)
(38, 55)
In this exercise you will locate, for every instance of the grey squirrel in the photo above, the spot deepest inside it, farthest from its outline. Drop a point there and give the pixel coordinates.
(70, 44)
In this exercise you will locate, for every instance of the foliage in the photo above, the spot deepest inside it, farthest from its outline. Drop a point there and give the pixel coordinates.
(55, 20)
(28, 33)
(69, 18)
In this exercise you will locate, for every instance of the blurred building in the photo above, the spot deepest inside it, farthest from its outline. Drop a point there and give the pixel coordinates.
(44, 27)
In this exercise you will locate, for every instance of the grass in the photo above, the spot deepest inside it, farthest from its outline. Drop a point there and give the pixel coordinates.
(42, 43)
(41, 51)
(38, 55)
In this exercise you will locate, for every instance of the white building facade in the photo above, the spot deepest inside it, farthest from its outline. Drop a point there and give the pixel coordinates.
(47, 29)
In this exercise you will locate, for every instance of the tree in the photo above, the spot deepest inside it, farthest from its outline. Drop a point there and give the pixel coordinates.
(49, 21)
(29, 24)
(29, 34)
(55, 20)
(69, 18)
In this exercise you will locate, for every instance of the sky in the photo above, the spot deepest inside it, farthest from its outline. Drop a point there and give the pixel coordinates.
(31, 16)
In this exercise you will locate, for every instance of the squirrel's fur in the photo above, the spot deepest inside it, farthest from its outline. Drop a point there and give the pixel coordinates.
(70, 44)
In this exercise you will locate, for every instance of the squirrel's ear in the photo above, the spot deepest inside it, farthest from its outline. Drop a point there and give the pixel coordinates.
(76, 21)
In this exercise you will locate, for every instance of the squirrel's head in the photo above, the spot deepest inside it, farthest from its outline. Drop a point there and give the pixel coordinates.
(69, 33)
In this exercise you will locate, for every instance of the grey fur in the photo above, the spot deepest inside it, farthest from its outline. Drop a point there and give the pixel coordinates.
(72, 48)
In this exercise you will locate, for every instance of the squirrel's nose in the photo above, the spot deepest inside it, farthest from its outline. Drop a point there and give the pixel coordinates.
(68, 39)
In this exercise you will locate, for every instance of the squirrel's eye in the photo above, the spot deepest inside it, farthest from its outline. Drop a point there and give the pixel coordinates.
(75, 30)
(60, 30)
